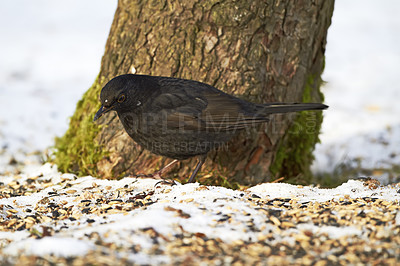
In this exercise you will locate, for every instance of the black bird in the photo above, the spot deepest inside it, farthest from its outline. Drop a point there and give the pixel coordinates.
(180, 118)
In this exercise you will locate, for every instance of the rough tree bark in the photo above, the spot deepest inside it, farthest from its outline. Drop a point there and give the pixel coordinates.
(262, 51)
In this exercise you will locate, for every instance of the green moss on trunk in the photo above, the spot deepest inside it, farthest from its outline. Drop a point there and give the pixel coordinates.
(77, 151)
(295, 153)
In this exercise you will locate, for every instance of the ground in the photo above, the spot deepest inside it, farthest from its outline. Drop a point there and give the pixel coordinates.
(51, 217)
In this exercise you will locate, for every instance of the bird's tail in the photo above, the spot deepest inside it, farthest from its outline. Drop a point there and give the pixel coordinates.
(274, 108)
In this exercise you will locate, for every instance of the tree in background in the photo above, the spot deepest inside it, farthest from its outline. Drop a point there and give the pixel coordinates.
(261, 51)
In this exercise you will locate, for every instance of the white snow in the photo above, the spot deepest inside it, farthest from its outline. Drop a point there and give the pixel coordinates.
(204, 207)
(352, 188)
(363, 86)
(50, 54)
(57, 246)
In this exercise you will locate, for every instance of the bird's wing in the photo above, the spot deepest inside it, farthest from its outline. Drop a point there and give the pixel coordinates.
(178, 109)
(225, 112)
(205, 110)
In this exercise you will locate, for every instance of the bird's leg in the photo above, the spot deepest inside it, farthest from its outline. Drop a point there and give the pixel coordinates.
(158, 174)
(202, 159)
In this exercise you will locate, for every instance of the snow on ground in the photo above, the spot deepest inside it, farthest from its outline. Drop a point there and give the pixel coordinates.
(363, 86)
(59, 214)
(50, 54)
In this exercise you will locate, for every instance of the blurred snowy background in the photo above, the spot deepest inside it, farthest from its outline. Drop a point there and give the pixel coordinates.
(361, 129)
(50, 54)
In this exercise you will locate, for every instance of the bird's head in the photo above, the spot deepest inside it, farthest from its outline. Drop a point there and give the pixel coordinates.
(119, 94)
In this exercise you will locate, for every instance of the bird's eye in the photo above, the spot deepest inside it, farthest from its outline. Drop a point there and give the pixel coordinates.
(121, 98)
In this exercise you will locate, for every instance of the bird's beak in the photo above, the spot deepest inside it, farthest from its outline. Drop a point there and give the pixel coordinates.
(101, 112)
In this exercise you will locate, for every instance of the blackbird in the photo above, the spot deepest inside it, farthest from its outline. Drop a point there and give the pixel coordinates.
(180, 118)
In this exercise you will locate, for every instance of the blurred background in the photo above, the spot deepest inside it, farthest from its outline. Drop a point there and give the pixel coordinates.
(50, 53)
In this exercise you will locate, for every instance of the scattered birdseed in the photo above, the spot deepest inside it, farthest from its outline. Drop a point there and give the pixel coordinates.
(131, 222)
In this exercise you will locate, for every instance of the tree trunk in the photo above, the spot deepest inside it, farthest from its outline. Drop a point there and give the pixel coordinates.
(261, 51)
